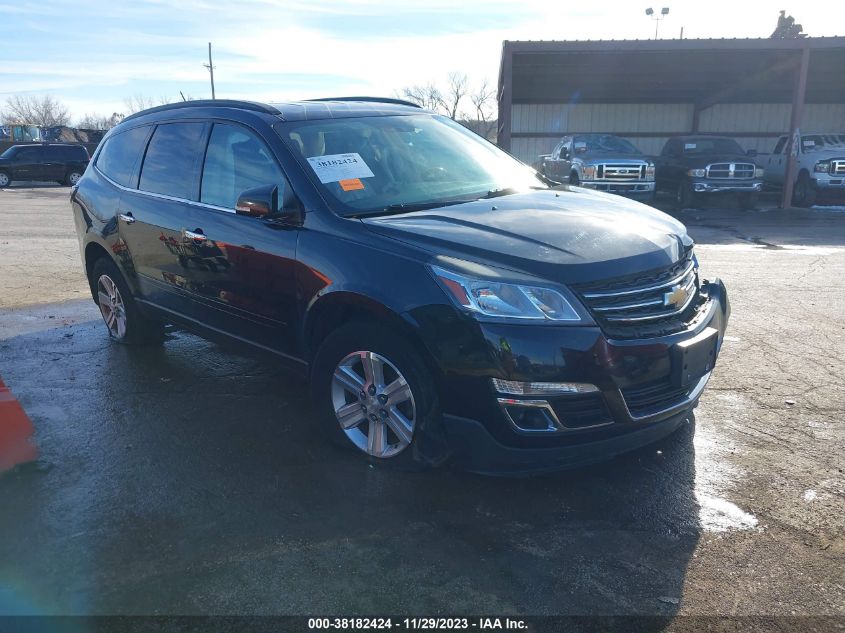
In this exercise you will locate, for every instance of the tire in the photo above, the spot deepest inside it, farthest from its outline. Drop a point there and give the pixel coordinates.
(72, 177)
(411, 440)
(804, 194)
(573, 178)
(113, 296)
(684, 197)
(747, 201)
(5, 180)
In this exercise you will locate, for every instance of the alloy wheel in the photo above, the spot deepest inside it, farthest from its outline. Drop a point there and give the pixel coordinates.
(373, 404)
(74, 178)
(4, 180)
(112, 306)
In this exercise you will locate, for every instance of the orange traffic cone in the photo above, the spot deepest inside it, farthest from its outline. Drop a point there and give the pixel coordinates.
(15, 432)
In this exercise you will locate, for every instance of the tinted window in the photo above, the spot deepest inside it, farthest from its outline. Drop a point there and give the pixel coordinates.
(28, 154)
(119, 155)
(236, 161)
(65, 153)
(779, 146)
(171, 161)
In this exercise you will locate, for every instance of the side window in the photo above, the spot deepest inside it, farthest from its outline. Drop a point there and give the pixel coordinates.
(236, 160)
(669, 148)
(779, 147)
(120, 154)
(53, 154)
(28, 155)
(172, 158)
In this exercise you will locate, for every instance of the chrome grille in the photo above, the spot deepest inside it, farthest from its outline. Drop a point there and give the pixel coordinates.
(611, 171)
(656, 302)
(837, 168)
(730, 170)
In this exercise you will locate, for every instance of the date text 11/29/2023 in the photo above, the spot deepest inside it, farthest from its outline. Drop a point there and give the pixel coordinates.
(429, 624)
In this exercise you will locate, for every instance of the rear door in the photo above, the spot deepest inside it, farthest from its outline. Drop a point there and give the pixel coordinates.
(156, 222)
(27, 163)
(53, 164)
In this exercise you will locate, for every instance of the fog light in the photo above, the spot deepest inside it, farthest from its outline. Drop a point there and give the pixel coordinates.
(700, 187)
(515, 388)
(530, 416)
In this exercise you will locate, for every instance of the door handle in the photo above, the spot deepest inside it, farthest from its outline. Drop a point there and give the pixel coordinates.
(197, 235)
(127, 217)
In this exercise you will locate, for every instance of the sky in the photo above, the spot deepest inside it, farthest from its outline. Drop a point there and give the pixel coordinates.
(93, 54)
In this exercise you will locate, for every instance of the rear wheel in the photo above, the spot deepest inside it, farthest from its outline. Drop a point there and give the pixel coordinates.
(374, 394)
(804, 194)
(5, 181)
(72, 177)
(124, 321)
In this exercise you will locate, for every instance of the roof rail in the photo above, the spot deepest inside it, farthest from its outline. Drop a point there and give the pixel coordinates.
(199, 103)
(371, 100)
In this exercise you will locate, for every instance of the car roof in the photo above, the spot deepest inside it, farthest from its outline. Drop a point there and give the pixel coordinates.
(333, 108)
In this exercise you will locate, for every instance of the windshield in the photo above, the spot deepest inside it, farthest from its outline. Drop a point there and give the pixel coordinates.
(603, 143)
(381, 163)
(711, 146)
(816, 142)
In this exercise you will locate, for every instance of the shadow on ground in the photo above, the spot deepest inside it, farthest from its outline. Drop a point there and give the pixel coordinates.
(186, 479)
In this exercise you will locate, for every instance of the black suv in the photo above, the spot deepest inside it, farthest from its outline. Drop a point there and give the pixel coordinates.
(441, 298)
(60, 162)
(693, 167)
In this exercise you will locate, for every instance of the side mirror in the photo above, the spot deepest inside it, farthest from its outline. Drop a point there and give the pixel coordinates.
(260, 202)
(752, 153)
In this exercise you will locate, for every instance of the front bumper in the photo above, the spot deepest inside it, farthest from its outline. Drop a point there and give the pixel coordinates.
(829, 183)
(715, 186)
(628, 374)
(628, 188)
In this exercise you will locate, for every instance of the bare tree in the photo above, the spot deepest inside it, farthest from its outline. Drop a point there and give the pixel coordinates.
(139, 102)
(483, 99)
(45, 111)
(427, 96)
(99, 121)
(454, 94)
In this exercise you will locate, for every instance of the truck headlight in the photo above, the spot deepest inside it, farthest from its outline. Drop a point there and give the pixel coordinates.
(822, 167)
(505, 300)
(589, 172)
(696, 173)
(649, 171)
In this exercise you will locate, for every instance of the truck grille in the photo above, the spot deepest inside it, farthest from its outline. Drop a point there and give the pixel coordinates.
(610, 171)
(837, 168)
(648, 304)
(730, 170)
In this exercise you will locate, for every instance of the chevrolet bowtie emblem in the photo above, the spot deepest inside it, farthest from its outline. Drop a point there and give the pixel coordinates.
(676, 297)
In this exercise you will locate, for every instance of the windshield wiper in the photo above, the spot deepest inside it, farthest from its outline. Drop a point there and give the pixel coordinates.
(496, 193)
(407, 207)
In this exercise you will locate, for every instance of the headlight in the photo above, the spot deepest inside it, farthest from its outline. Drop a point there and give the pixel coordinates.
(822, 167)
(505, 300)
(649, 171)
(759, 172)
(696, 173)
(589, 172)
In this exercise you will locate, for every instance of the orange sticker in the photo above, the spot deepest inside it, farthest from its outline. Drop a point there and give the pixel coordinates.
(351, 184)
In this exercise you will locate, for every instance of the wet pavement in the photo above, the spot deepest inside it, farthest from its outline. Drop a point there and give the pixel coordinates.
(190, 479)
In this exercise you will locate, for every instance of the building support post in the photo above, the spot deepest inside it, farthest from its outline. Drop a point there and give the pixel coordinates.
(503, 135)
(792, 150)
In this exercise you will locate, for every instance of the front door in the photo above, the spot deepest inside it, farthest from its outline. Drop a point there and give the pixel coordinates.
(27, 163)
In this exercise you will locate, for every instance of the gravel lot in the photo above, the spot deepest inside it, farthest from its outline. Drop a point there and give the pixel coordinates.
(187, 479)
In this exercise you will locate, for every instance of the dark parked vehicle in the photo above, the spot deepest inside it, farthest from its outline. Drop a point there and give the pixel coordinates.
(603, 162)
(61, 162)
(442, 299)
(692, 167)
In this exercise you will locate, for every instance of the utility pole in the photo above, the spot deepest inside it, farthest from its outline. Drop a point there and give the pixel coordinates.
(210, 67)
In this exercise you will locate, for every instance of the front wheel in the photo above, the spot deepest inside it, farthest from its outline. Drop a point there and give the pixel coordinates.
(804, 194)
(120, 313)
(684, 197)
(747, 201)
(374, 394)
(573, 178)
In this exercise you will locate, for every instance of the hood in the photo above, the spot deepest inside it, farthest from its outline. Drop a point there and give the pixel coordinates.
(826, 154)
(702, 160)
(569, 235)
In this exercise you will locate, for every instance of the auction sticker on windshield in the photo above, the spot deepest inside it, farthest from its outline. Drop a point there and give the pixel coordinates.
(337, 167)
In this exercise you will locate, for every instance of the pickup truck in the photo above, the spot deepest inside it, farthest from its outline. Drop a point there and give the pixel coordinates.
(691, 167)
(600, 161)
(820, 167)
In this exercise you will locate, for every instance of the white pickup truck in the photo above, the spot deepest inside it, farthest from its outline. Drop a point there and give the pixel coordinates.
(820, 167)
